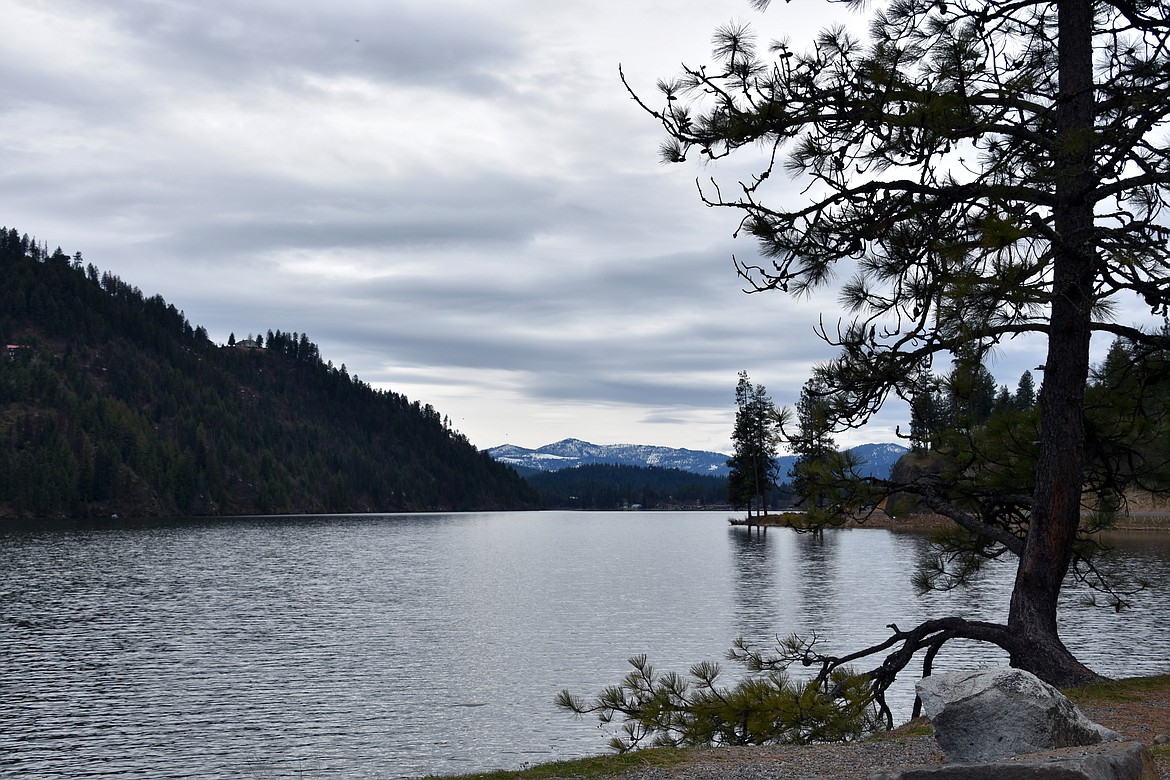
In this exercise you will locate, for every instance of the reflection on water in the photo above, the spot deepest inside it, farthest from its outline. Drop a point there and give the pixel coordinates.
(817, 576)
(754, 574)
(396, 646)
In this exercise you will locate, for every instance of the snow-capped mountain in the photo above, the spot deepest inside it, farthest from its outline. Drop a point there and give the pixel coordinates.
(570, 453)
(878, 459)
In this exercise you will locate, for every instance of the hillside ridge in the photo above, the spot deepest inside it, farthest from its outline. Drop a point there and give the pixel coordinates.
(112, 403)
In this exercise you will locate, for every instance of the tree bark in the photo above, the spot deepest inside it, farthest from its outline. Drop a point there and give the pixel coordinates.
(1056, 502)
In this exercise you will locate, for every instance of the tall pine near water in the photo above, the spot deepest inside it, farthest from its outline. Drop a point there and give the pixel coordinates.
(985, 170)
(754, 440)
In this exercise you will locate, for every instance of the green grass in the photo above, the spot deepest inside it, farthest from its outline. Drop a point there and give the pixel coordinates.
(918, 731)
(1130, 689)
(585, 768)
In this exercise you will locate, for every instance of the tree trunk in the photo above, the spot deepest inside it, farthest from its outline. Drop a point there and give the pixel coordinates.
(1056, 502)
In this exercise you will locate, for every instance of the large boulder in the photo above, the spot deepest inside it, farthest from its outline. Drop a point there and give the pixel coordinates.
(996, 713)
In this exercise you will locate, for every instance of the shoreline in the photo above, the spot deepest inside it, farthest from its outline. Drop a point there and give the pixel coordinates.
(1138, 708)
(1134, 521)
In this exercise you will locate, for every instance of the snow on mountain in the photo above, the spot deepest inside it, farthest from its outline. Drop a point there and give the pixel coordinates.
(878, 459)
(570, 453)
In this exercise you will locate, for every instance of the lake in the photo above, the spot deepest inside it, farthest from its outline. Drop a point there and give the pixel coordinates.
(393, 646)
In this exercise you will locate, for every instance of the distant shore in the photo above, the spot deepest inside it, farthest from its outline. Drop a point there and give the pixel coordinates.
(918, 523)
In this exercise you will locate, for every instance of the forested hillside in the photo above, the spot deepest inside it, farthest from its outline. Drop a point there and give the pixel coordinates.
(608, 486)
(112, 403)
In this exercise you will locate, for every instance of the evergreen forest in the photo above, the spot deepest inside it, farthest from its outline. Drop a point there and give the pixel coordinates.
(982, 439)
(612, 486)
(112, 403)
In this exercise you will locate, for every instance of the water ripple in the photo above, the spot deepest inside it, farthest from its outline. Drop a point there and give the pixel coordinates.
(396, 646)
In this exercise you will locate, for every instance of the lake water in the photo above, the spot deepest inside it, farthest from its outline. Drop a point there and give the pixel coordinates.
(394, 646)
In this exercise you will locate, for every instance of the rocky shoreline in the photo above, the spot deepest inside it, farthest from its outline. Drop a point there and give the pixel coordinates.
(1139, 713)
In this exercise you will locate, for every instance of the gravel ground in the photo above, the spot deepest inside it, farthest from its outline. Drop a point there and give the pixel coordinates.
(1138, 715)
(822, 762)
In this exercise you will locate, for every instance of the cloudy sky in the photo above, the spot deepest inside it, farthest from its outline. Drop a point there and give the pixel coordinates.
(454, 198)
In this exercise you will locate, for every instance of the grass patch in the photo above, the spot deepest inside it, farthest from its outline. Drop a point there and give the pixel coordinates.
(919, 727)
(918, 731)
(585, 768)
(1131, 689)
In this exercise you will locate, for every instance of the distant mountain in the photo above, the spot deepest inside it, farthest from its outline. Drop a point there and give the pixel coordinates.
(878, 459)
(570, 453)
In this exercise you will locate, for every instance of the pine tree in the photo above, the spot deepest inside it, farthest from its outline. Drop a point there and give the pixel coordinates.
(755, 444)
(813, 443)
(990, 169)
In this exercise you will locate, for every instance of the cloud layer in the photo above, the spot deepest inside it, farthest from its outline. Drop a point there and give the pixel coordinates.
(456, 199)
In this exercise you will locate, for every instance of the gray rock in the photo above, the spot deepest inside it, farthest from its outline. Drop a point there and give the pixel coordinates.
(996, 713)
(1111, 761)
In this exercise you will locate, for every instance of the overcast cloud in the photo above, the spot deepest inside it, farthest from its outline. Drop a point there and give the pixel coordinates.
(455, 199)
